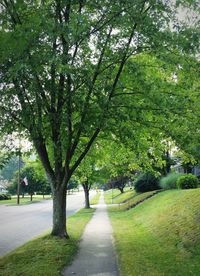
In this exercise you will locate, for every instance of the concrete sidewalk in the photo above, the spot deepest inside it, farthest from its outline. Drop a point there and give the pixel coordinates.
(96, 256)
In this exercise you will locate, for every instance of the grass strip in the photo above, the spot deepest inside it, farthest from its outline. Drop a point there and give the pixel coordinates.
(110, 195)
(124, 197)
(160, 236)
(24, 200)
(133, 201)
(95, 199)
(115, 196)
(137, 199)
(46, 255)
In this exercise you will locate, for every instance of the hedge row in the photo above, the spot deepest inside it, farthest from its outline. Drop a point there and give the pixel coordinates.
(5, 196)
(149, 182)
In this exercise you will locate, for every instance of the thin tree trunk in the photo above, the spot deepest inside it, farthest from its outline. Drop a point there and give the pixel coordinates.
(87, 200)
(59, 213)
(168, 163)
(31, 197)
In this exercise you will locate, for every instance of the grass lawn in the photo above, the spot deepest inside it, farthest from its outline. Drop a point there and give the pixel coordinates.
(115, 196)
(46, 255)
(160, 236)
(95, 199)
(25, 200)
(133, 201)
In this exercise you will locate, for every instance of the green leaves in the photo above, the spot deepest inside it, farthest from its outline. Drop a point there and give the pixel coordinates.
(71, 68)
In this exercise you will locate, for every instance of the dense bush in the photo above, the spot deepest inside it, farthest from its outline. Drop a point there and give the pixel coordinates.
(170, 181)
(146, 182)
(188, 181)
(5, 196)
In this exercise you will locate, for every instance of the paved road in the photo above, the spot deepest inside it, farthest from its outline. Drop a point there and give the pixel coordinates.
(19, 224)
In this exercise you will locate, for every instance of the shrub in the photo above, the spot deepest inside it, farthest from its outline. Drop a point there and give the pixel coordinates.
(5, 196)
(8, 196)
(170, 181)
(188, 181)
(146, 182)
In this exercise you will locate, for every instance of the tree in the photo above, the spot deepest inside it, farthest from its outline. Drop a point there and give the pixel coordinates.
(11, 167)
(39, 176)
(61, 65)
(118, 182)
(184, 126)
(88, 174)
(37, 181)
(72, 184)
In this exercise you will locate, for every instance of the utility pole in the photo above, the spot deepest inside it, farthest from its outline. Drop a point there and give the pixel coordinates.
(19, 176)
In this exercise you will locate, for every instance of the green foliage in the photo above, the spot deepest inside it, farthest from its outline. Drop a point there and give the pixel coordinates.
(169, 181)
(11, 167)
(37, 181)
(3, 160)
(41, 53)
(65, 79)
(72, 184)
(188, 181)
(118, 182)
(146, 182)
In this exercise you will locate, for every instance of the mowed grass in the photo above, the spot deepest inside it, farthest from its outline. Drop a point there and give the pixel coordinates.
(115, 196)
(160, 236)
(133, 201)
(25, 200)
(95, 199)
(46, 255)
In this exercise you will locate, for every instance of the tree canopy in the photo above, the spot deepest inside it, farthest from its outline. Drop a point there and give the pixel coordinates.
(61, 68)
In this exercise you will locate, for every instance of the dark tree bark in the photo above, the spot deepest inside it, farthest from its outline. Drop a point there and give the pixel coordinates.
(168, 162)
(121, 189)
(187, 168)
(86, 188)
(59, 213)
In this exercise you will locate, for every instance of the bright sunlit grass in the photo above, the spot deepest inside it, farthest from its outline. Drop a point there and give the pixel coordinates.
(160, 236)
(134, 200)
(25, 199)
(95, 199)
(115, 196)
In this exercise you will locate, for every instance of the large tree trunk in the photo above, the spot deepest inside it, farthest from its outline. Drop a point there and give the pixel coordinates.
(87, 199)
(59, 213)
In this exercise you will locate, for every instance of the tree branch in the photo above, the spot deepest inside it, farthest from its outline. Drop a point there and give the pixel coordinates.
(96, 73)
(85, 151)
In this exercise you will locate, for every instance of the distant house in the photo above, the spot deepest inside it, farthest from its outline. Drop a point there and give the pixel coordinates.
(180, 169)
(196, 171)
